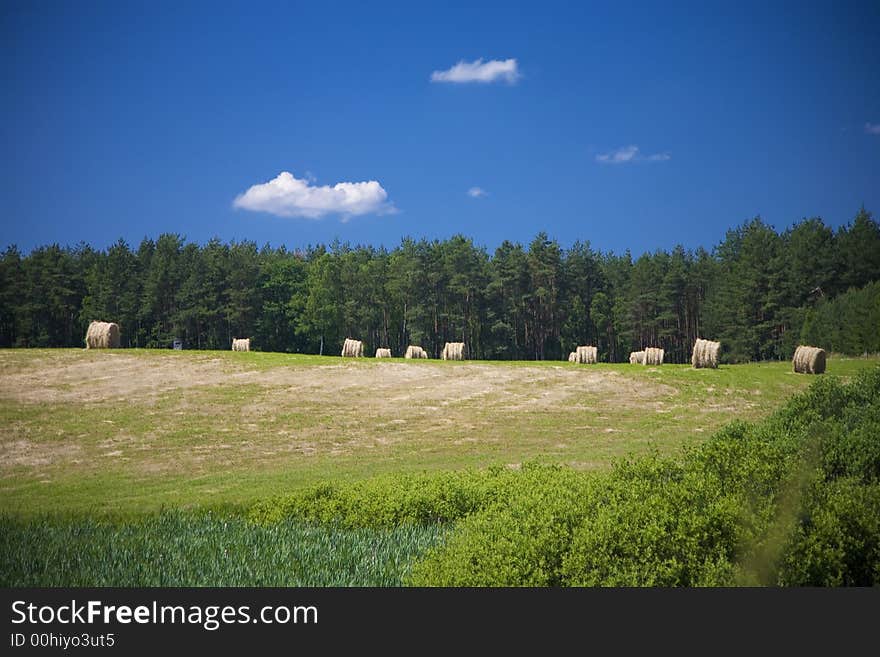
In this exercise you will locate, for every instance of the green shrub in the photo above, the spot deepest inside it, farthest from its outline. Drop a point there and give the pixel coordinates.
(516, 541)
(391, 500)
(851, 447)
(650, 530)
(837, 539)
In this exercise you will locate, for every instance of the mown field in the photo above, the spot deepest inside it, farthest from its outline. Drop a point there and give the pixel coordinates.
(141, 467)
(138, 430)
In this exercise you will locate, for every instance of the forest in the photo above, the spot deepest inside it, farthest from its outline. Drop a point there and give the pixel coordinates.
(759, 291)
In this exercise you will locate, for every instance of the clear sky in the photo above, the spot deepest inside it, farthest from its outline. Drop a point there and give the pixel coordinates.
(635, 126)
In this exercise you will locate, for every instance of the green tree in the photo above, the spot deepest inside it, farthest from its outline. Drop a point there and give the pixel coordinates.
(12, 299)
(859, 251)
(545, 277)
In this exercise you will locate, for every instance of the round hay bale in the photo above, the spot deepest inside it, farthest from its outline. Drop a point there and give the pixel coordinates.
(705, 353)
(352, 348)
(809, 360)
(414, 351)
(241, 344)
(637, 358)
(102, 335)
(653, 356)
(586, 355)
(383, 353)
(453, 351)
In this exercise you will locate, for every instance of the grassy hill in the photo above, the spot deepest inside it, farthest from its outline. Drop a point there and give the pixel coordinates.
(134, 430)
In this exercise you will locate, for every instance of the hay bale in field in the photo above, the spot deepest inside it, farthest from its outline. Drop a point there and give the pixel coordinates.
(586, 355)
(808, 360)
(383, 353)
(413, 351)
(102, 335)
(653, 356)
(637, 358)
(705, 353)
(352, 348)
(453, 351)
(572, 357)
(241, 344)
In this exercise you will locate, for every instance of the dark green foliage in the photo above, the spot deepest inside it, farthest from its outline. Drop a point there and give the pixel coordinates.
(759, 291)
(848, 323)
(202, 549)
(837, 539)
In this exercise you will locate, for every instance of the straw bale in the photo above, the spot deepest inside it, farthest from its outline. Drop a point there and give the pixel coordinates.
(102, 335)
(809, 360)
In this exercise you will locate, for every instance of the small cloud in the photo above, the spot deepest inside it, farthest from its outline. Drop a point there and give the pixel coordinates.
(621, 155)
(288, 196)
(477, 192)
(872, 128)
(479, 71)
(630, 154)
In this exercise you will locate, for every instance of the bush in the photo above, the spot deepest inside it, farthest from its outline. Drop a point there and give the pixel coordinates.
(837, 539)
(391, 500)
(652, 530)
(518, 540)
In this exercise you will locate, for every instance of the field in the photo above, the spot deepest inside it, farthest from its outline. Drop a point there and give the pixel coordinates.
(133, 468)
(138, 430)
(176, 548)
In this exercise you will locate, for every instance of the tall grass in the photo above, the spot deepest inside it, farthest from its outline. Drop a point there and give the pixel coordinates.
(203, 549)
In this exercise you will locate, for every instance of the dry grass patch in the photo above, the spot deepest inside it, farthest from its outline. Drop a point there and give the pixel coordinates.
(167, 420)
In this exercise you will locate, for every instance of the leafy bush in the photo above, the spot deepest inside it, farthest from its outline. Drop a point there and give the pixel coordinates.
(518, 540)
(660, 526)
(837, 539)
(391, 500)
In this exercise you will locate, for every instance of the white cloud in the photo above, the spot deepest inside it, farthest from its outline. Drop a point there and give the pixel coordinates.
(872, 128)
(479, 71)
(288, 196)
(477, 192)
(626, 154)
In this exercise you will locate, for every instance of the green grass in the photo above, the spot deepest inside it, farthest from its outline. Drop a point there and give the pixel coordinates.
(203, 549)
(254, 425)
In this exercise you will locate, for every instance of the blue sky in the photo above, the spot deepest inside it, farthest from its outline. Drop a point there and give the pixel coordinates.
(121, 120)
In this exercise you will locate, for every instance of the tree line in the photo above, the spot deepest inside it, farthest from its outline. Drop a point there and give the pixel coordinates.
(759, 291)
